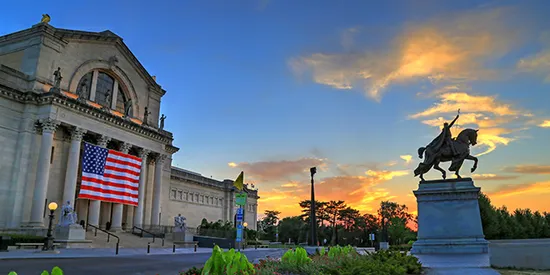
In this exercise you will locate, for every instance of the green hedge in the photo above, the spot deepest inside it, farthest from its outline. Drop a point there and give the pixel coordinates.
(18, 238)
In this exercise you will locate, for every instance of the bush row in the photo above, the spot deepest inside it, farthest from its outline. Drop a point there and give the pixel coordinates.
(336, 261)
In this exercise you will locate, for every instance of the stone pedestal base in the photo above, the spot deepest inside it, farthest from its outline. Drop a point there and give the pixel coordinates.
(178, 236)
(449, 225)
(72, 236)
(72, 232)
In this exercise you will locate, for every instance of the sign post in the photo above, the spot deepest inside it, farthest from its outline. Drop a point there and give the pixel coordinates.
(371, 238)
(240, 201)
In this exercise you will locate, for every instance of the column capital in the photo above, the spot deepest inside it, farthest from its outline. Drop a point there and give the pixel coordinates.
(103, 141)
(161, 158)
(77, 133)
(125, 148)
(144, 153)
(49, 125)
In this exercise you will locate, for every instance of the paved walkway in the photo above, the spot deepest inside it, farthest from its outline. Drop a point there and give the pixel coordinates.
(105, 252)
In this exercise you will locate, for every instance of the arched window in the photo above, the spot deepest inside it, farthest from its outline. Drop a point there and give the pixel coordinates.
(106, 90)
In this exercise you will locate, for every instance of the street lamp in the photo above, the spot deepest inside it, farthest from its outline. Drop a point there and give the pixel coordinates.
(245, 224)
(48, 242)
(313, 219)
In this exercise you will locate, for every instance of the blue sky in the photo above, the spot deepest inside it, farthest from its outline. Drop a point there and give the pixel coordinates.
(274, 87)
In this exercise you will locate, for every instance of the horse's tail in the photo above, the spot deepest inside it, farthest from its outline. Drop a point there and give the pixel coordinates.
(421, 151)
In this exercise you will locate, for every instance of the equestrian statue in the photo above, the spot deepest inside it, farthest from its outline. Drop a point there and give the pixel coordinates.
(446, 148)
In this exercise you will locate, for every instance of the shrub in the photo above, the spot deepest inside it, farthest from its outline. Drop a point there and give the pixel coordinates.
(228, 262)
(55, 271)
(192, 271)
(19, 238)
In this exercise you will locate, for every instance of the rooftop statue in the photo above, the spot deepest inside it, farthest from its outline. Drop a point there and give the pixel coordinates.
(445, 148)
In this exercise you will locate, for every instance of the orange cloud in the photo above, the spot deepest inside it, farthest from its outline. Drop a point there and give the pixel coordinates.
(446, 49)
(493, 117)
(521, 189)
(529, 169)
(545, 124)
(360, 192)
(279, 170)
(492, 177)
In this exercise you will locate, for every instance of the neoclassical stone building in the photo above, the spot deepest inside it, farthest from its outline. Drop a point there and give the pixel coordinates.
(60, 88)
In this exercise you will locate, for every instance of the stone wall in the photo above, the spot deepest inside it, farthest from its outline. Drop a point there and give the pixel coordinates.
(525, 253)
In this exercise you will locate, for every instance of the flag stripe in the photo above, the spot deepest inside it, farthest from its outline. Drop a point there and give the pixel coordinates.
(110, 176)
(109, 191)
(109, 185)
(127, 157)
(122, 163)
(123, 169)
(110, 182)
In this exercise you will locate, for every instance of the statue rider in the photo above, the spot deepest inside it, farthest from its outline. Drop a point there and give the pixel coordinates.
(445, 138)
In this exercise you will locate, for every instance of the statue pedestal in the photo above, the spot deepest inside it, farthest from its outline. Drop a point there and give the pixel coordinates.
(71, 236)
(178, 236)
(450, 234)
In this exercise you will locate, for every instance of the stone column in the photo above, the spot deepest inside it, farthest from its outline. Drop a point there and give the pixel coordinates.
(138, 211)
(42, 172)
(118, 207)
(157, 189)
(95, 206)
(72, 166)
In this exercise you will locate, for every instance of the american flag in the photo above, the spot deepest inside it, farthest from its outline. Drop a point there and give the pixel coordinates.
(109, 175)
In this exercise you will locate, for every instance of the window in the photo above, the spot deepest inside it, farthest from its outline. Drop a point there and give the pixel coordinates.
(180, 195)
(186, 196)
(191, 196)
(121, 101)
(217, 201)
(202, 199)
(211, 200)
(197, 197)
(104, 89)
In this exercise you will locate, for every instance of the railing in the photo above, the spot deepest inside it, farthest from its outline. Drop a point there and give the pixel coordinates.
(108, 235)
(141, 231)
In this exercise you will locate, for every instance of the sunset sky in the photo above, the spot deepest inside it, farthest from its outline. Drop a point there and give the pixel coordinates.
(273, 87)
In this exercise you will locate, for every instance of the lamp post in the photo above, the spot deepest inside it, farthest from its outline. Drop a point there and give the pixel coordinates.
(313, 219)
(48, 242)
(245, 224)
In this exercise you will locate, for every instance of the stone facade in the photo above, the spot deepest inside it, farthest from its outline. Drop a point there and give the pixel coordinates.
(42, 128)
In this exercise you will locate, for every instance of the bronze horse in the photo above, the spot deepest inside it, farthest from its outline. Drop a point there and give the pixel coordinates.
(462, 148)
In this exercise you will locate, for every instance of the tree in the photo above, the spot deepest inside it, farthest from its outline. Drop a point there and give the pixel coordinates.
(268, 224)
(334, 209)
(291, 228)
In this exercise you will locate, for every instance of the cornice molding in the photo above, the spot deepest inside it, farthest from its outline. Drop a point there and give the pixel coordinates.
(85, 109)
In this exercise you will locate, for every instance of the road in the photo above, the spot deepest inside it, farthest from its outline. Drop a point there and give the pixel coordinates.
(118, 265)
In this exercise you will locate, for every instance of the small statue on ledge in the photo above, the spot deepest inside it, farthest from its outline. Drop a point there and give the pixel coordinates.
(445, 148)
(82, 91)
(146, 116)
(127, 108)
(57, 81)
(162, 118)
